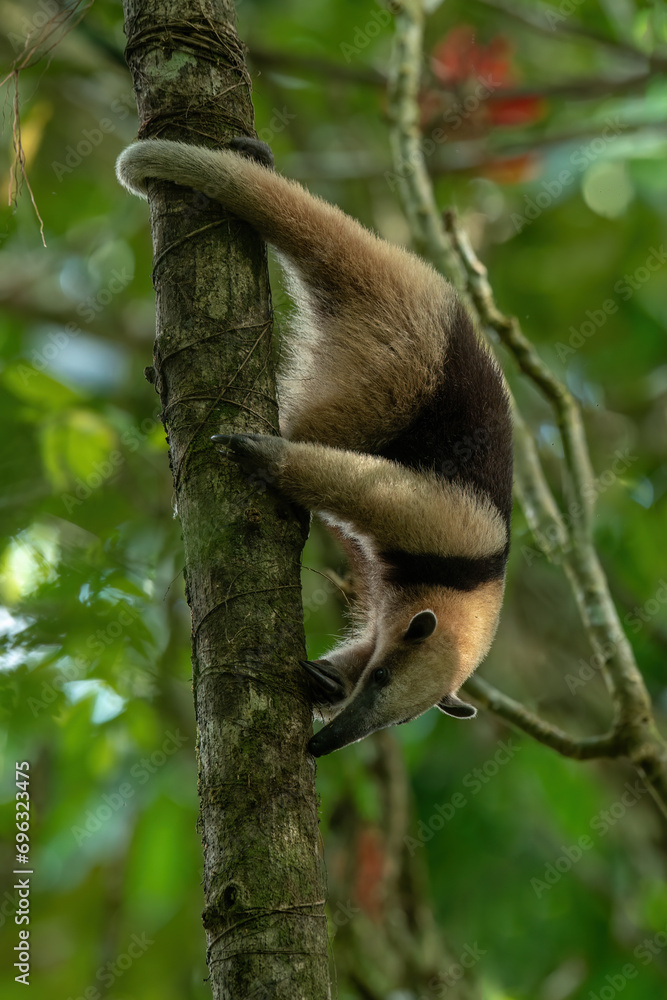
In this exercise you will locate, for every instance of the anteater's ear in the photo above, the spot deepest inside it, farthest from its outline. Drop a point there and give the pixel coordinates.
(452, 705)
(421, 627)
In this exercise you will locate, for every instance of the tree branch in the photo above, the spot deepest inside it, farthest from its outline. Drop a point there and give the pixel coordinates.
(583, 748)
(577, 462)
(633, 732)
(540, 17)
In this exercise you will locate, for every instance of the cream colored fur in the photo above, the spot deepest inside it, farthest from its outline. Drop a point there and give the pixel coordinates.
(422, 674)
(370, 342)
(389, 505)
(357, 378)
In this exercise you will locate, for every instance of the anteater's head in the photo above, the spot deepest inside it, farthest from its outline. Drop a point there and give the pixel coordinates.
(426, 646)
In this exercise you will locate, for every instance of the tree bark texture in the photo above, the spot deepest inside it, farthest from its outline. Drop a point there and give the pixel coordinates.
(263, 877)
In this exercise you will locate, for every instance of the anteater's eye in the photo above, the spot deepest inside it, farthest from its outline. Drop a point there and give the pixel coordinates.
(381, 676)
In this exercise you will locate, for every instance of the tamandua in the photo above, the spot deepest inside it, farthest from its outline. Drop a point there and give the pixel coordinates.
(395, 428)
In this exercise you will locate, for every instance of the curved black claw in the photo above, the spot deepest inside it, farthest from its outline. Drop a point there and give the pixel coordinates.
(233, 442)
(325, 681)
(238, 446)
(254, 149)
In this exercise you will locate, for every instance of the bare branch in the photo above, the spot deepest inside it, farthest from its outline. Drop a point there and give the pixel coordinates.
(584, 748)
(542, 18)
(577, 462)
(567, 539)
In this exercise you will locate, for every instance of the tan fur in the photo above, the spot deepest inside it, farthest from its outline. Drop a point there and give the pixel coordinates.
(423, 673)
(390, 505)
(383, 304)
(369, 346)
(467, 622)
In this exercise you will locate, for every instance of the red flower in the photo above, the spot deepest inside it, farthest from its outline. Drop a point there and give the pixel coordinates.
(470, 69)
(516, 110)
(458, 58)
(467, 100)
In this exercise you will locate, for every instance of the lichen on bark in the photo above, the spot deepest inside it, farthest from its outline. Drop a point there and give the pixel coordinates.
(263, 879)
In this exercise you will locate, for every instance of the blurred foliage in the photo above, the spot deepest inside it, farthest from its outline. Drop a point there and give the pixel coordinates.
(550, 871)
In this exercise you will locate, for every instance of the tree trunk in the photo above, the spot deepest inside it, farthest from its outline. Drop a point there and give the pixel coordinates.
(263, 879)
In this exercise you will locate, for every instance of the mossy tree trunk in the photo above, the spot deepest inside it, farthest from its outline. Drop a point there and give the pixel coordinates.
(263, 880)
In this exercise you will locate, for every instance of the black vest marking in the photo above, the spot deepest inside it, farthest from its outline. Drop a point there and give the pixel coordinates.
(409, 569)
(463, 432)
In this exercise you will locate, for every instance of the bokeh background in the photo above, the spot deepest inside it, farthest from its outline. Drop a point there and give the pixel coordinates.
(545, 129)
